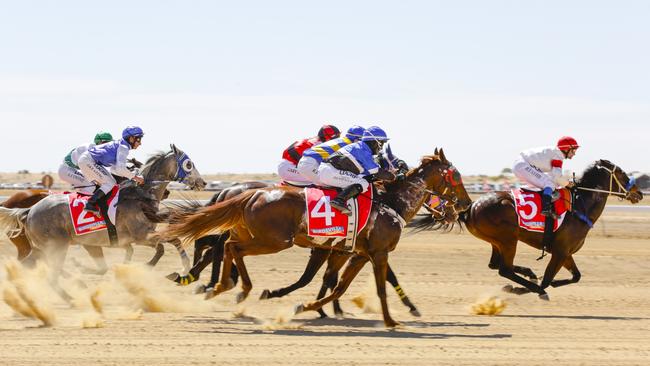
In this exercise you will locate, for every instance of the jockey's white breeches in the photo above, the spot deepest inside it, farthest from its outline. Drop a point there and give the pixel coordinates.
(308, 168)
(330, 176)
(531, 175)
(289, 173)
(96, 172)
(74, 177)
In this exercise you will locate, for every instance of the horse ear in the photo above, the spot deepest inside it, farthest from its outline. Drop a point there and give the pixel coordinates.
(442, 156)
(174, 148)
(435, 152)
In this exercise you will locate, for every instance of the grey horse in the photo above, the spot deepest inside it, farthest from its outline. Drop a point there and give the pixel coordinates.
(49, 227)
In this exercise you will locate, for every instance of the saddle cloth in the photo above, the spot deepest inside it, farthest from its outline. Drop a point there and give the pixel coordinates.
(324, 221)
(528, 205)
(85, 222)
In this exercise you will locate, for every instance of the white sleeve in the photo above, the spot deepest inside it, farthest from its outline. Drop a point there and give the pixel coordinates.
(559, 179)
(119, 168)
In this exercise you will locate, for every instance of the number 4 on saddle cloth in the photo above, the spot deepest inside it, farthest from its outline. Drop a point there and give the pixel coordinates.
(528, 205)
(325, 221)
(85, 222)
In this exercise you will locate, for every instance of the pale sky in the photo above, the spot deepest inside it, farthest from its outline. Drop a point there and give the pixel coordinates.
(234, 82)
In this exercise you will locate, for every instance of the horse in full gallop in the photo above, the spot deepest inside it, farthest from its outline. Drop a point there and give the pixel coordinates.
(269, 220)
(50, 230)
(493, 218)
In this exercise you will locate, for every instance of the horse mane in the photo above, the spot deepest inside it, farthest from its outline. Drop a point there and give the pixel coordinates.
(154, 160)
(592, 174)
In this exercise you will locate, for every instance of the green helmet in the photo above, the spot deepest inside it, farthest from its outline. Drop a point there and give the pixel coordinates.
(103, 137)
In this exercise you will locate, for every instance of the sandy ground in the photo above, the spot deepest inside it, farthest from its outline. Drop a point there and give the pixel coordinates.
(603, 320)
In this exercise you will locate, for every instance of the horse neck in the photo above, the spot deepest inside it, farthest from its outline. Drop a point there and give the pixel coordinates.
(159, 171)
(593, 203)
(407, 197)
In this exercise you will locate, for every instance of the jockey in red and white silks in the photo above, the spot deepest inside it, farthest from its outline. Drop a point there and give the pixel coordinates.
(287, 169)
(542, 167)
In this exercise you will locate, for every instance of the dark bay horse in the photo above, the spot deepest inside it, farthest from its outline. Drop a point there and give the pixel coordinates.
(493, 218)
(269, 220)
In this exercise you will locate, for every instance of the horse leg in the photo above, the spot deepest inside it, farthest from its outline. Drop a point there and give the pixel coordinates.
(331, 278)
(526, 272)
(185, 259)
(199, 247)
(128, 253)
(495, 258)
(316, 260)
(569, 264)
(97, 254)
(380, 266)
(22, 245)
(355, 264)
(506, 269)
(160, 250)
(392, 279)
(552, 268)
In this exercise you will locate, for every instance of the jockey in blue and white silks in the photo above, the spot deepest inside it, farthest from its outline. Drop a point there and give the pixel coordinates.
(93, 164)
(69, 169)
(312, 157)
(353, 166)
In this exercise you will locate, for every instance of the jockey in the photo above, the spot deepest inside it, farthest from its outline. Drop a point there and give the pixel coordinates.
(93, 164)
(69, 169)
(353, 167)
(312, 157)
(542, 168)
(291, 156)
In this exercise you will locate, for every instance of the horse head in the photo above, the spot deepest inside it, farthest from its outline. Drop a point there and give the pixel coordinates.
(610, 177)
(174, 165)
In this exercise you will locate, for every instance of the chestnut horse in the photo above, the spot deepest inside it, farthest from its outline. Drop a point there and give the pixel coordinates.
(269, 220)
(493, 219)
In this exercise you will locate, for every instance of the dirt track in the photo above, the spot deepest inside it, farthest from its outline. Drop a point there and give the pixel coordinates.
(603, 320)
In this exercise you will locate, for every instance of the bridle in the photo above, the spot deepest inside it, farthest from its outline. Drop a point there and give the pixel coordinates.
(184, 167)
(622, 190)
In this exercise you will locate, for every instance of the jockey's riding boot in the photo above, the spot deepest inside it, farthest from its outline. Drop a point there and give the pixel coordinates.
(91, 204)
(341, 200)
(547, 203)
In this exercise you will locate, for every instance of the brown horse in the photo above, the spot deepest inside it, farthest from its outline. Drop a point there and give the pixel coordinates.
(23, 199)
(493, 219)
(269, 220)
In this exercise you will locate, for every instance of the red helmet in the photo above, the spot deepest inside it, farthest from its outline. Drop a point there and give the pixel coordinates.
(567, 143)
(328, 132)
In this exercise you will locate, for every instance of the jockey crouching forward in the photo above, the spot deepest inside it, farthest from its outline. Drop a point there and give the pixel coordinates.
(69, 169)
(93, 164)
(542, 168)
(314, 156)
(353, 167)
(287, 169)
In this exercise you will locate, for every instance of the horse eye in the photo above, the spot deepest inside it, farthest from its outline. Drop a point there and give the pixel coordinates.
(187, 165)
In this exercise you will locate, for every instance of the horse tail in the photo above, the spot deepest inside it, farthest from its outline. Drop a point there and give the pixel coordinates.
(219, 217)
(12, 220)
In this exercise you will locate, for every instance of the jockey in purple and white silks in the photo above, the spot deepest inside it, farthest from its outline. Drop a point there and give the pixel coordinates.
(353, 167)
(69, 169)
(312, 157)
(93, 164)
(542, 168)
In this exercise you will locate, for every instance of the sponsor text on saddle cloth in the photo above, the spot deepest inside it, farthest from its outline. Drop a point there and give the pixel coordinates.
(85, 222)
(325, 221)
(528, 205)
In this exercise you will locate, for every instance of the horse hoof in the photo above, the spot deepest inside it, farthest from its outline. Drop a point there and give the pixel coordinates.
(265, 295)
(391, 324)
(544, 296)
(241, 297)
(298, 309)
(507, 288)
(210, 294)
(200, 289)
(176, 277)
(415, 312)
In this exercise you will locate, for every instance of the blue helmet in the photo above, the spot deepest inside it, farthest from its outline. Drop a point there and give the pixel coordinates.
(374, 133)
(132, 131)
(355, 132)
